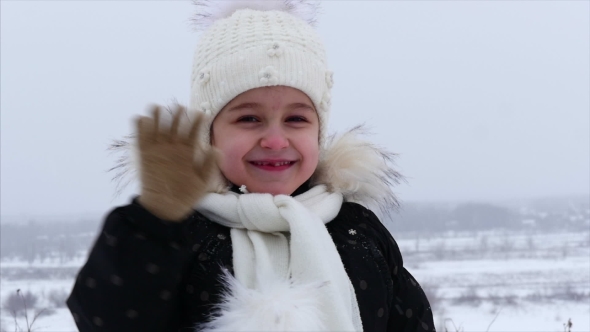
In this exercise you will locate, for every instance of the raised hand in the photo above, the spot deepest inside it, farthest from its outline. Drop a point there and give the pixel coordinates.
(174, 168)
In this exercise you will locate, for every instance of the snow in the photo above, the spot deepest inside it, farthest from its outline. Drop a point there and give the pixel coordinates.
(58, 319)
(528, 318)
(514, 281)
(537, 289)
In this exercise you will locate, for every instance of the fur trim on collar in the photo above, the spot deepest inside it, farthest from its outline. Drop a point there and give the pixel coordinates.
(360, 170)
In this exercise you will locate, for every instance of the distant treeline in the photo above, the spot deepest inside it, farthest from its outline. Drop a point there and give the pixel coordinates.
(39, 241)
(36, 240)
(482, 216)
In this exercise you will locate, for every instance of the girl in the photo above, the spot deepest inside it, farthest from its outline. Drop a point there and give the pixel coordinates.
(252, 219)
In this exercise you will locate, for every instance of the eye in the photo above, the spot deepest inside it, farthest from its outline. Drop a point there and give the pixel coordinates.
(296, 119)
(247, 118)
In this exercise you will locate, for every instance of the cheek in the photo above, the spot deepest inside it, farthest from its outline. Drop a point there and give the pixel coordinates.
(311, 152)
(228, 166)
(224, 147)
(231, 152)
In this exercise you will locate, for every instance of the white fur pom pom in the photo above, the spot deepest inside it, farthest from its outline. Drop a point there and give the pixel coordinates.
(209, 11)
(277, 305)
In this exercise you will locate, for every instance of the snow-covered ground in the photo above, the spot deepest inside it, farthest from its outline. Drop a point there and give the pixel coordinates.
(55, 316)
(485, 281)
(508, 282)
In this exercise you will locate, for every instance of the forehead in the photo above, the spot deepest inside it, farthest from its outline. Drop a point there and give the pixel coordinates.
(273, 97)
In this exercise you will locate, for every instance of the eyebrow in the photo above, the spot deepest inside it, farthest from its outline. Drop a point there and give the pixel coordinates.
(244, 105)
(302, 105)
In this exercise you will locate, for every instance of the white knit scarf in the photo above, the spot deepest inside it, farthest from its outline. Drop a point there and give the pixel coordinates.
(288, 273)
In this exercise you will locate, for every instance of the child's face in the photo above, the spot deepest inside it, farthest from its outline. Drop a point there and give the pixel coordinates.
(268, 138)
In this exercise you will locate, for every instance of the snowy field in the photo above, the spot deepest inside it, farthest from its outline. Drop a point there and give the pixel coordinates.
(496, 281)
(484, 281)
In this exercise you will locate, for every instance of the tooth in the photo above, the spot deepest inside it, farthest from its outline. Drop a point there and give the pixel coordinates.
(276, 164)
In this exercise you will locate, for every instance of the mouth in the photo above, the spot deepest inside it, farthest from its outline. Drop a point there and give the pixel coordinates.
(273, 165)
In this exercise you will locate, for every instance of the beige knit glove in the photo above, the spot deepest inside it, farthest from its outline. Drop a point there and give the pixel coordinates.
(174, 169)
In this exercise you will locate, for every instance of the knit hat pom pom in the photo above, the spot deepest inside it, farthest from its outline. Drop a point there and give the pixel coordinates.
(209, 11)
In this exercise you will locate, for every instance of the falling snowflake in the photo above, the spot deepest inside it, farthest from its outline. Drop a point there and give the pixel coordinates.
(352, 232)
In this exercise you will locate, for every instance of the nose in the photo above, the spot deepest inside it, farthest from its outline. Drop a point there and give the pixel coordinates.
(274, 138)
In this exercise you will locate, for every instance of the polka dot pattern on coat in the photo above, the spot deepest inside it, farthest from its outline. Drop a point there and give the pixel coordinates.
(162, 275)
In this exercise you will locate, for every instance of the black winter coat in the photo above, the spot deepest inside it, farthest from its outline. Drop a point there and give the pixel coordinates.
(146, 274)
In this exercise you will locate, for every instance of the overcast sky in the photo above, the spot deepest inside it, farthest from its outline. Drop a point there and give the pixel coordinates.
(483, 100)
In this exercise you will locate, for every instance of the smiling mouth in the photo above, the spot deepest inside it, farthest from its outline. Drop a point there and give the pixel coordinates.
(271, 163)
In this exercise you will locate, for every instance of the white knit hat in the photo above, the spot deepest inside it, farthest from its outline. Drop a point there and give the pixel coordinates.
(252, 44)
